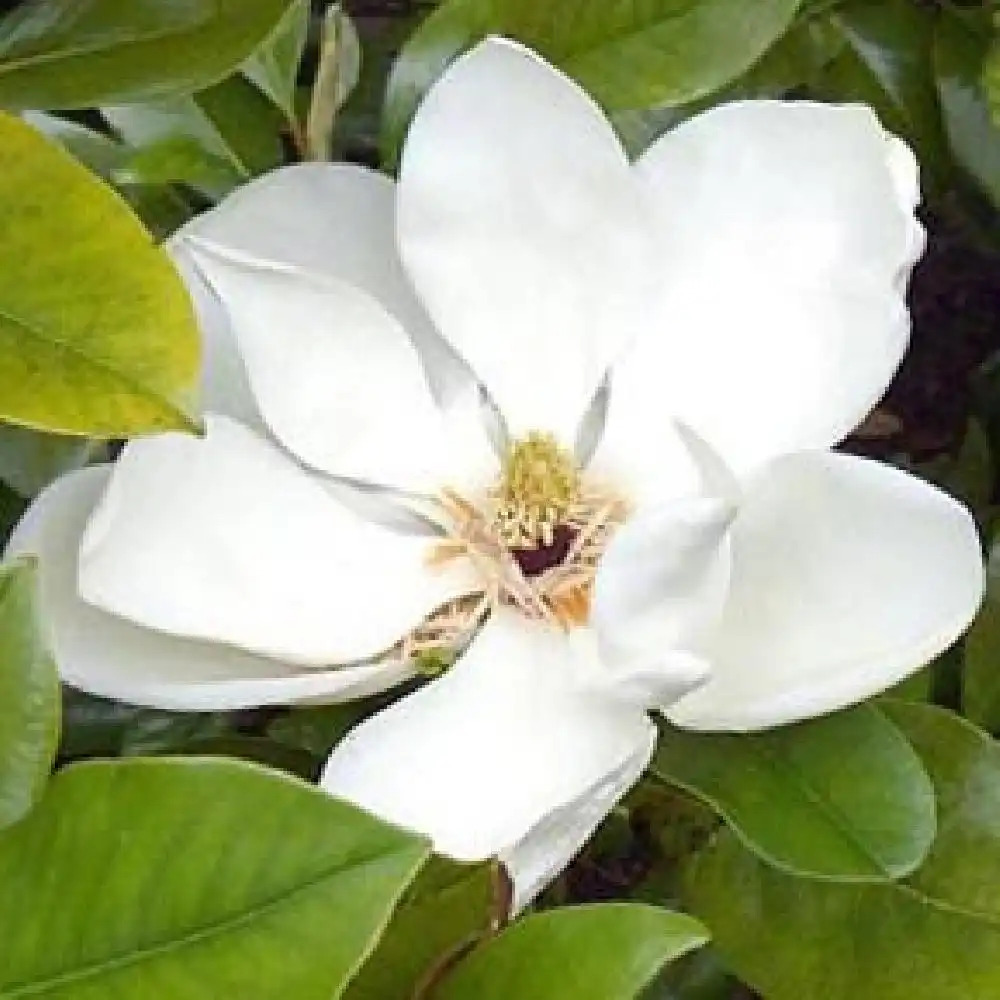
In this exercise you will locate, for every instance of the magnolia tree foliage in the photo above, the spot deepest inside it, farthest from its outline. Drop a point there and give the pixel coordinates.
(431, 567)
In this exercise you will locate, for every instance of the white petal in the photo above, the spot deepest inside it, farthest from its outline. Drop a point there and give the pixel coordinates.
(503, 750)
(651, 462)
(520, 224)
(226, 539)
(786, 236)
(660, 589)
(847, 576)
(331, 219)
(108, 656)
(338, 381)
(224, 384)
(541, 855)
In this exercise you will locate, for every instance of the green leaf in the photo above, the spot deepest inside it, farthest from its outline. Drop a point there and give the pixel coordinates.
(29, 697)
(70, 54)
(30, 460)
(97, 335)
(179, 160)
(981, 650)
(794, 62)
(273, 68)
(212, 140)
(885, 62)
(597, 952)
(446, 909)
(194, 879)
(975, 141)
(934, 936)
(797, 60)
(842, 797)
(634, 55)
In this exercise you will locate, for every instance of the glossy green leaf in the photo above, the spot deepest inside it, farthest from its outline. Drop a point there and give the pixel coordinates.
(974, 139)
(934, 936)
(446, 909)
(794, 62)
(97, 335)
(981, 651)
(75, 54)
(29, 697)
(273, 68)
(885, 62)
(212, 140)
(597, 952)
(629, 55)
(179, 161)
(842, 797)
(30, 460)
(797, 60)
(193, 879)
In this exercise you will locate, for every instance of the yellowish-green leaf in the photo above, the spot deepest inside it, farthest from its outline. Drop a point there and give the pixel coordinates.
(97, 335)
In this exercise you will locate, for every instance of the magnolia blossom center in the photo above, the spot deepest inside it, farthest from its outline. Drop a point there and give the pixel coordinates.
(539, 485)
(535, 538)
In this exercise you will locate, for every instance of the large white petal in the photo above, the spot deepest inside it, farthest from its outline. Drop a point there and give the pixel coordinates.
(847, 576)
(786, 236)
(660, 588)
(225, 538)
(331, 219)
(108, 656)
(504, 753)
(521, 226)
(338, 381)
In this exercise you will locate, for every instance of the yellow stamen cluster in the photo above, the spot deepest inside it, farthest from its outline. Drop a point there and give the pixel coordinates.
(539, 485)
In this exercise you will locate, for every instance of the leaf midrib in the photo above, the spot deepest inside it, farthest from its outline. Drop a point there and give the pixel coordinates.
(211, 930)
(833, 815)
(57, 55)
(106, 368)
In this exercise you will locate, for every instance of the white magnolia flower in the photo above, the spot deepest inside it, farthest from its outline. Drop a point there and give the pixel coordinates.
(706, 555)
